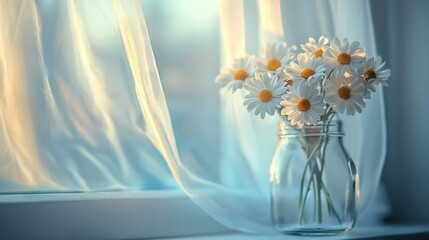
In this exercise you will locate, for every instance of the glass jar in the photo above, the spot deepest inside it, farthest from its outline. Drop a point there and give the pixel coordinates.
(314, 182)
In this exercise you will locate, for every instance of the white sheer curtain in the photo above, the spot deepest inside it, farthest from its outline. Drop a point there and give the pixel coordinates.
(71, 99)
(81, 97)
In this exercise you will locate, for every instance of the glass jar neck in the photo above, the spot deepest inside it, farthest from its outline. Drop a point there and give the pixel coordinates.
(332, 128)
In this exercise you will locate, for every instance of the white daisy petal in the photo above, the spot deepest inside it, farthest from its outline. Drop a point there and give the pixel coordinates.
(234, 77)
(345, 56)
(345, 94)
(275, 57)
(308, 68)
(374, 74)
(251, 106)
(300, 106)
(264, 93)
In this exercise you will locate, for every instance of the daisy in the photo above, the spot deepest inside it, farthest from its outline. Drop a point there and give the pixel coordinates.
(309, 69)
(264, 93)
(275, 57)
(348, 57)
(233, 78)
(345, 94)
(302, 104)
(315, 48)
(373, 74)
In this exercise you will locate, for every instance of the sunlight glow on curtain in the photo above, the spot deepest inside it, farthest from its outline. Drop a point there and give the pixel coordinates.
(103, 101)
(71, 119)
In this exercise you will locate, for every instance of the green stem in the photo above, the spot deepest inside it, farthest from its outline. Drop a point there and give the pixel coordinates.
(315, 203)
(322, 159)
(329, 203)
(316, 176)
(323, 83)
(313, 169)
(310, 160)
(318, 197)
(331, 207)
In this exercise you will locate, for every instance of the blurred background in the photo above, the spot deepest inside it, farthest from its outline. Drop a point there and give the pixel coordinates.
(185, 38)
(402, 39)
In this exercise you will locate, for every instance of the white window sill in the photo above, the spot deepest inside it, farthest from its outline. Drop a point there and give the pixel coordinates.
(104, 215)
(130, 215)
(374, 232)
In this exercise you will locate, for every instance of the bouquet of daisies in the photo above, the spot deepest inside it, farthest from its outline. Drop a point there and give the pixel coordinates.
(308, 87)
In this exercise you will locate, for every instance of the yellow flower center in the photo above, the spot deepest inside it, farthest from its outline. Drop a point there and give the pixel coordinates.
(303, 104)
(273, 64)
(306, 73)
(344, 58)
(240, 74)
(370, 74)
(344, 92)
(318, 53)
(265, 95)
(289, 82)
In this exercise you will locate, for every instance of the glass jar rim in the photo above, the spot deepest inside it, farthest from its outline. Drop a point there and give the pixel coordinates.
(331, 128)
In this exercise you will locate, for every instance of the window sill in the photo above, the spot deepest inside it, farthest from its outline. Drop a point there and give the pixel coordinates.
(148, 214)
(104, 215)
(365, 232)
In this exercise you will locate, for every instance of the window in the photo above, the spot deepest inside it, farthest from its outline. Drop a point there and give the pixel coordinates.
(72, 174)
